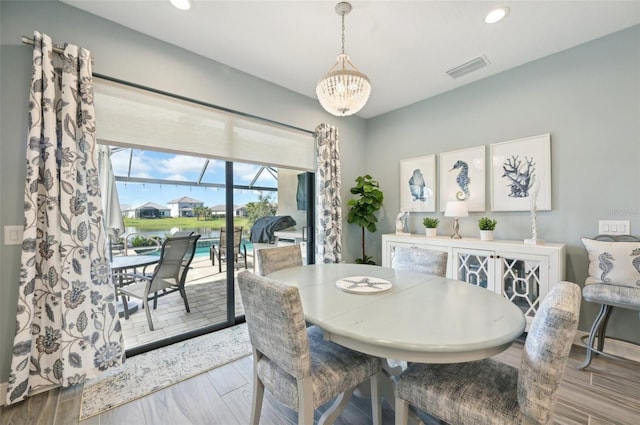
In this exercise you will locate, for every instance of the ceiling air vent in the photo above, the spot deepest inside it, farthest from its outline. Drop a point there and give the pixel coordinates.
(465, 68)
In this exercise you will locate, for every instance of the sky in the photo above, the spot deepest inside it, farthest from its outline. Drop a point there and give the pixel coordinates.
(159, 165)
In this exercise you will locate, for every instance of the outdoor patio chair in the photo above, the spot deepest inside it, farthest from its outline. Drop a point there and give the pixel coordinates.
(491, 392)
(169, 275)
(420, 260)
(296, 364)
(273, 259)
(182, 233)
(220, 251)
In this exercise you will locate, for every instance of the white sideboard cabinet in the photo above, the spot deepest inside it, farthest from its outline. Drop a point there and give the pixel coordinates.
(522, 273)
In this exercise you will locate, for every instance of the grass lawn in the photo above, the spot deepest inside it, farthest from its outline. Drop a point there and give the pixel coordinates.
(159, 224)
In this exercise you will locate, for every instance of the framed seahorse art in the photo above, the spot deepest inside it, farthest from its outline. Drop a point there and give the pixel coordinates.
(462, 177)
(521, 174)
(418, 184)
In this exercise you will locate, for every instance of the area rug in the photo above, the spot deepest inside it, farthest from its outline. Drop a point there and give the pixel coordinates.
(146, 373)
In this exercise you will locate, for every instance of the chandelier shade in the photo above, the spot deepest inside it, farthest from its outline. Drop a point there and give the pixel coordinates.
(343, 90)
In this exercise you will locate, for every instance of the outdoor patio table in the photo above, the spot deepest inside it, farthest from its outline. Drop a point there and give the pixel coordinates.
(123, 263)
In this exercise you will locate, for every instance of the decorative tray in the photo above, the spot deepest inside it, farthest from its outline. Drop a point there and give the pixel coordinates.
(363, 284)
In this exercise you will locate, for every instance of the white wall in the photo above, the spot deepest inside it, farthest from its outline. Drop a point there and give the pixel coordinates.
(587, 97)
(287, 189)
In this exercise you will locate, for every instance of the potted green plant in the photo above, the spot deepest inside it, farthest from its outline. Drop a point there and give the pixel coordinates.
(430, 225)
(486, 226)
(362, 210)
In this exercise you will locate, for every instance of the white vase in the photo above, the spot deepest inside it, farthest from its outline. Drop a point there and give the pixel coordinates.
(430, 232)
(486, 235)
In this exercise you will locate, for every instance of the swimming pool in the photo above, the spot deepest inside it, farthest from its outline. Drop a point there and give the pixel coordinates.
(202, 248)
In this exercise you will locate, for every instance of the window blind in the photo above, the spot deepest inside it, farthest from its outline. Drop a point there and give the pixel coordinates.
(130, 116)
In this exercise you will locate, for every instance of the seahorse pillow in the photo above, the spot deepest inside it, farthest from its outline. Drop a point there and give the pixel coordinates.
(617, 263)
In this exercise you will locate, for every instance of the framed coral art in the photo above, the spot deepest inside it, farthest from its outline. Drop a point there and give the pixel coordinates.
(418, 184)
(521, 174)
(462, 178)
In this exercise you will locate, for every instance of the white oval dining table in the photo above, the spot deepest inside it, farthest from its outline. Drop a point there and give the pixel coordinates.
(422, 318)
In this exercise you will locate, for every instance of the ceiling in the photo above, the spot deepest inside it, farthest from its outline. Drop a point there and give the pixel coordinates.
(404, 47)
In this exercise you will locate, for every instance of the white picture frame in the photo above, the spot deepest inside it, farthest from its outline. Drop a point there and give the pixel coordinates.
(418, 184)
(521, 174)
(462, 178)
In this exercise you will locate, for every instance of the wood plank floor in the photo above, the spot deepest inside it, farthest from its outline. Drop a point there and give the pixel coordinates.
(607, 393)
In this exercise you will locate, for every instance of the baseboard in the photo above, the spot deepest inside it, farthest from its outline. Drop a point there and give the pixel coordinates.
(619, 348)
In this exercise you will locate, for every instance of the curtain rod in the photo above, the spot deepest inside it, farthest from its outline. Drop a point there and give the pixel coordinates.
(31, 42)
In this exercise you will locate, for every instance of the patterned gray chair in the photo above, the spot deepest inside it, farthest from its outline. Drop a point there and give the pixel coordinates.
(491, 392)
(273, 259)
(613, 281)
(420, 260)
(293, 362)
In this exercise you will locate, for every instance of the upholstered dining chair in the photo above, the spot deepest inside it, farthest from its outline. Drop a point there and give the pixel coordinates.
(490, 392)
(169, 275)
(420, 260)
(613, 281)
(220, 251)
(271, 260)
(294, 363)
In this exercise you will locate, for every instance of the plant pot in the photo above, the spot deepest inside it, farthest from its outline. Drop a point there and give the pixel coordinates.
(486, 235)
(430, 232)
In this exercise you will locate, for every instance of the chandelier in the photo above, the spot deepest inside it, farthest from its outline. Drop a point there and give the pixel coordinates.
(343, 91)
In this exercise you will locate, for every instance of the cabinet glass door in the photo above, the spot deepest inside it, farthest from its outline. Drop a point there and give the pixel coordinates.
(521, 282)
(474, 266)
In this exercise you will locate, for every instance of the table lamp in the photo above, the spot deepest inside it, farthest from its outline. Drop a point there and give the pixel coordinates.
(456, 209)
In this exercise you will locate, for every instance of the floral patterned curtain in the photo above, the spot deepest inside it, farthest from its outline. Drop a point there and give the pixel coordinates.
(67, 327)
(328, 201)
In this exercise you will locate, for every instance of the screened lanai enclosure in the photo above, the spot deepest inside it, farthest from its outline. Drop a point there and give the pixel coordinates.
(179, 168)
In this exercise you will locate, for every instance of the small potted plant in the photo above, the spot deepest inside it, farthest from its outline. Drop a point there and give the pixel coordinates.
(486, 226)
(430, 225)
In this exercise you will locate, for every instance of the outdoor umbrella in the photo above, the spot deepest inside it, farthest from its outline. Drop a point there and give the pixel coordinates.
(110, 202)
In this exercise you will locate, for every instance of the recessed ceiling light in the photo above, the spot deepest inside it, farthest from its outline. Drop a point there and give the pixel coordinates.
(181, 4)
(496, 14)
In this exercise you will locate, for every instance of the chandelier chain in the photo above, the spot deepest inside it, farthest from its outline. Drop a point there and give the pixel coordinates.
(343, 33)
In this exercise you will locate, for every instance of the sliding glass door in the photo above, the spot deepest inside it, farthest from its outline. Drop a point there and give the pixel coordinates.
(183, 166)
(162, 194)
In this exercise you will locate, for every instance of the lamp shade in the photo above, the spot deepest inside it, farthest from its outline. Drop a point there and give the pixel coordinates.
(456, 209)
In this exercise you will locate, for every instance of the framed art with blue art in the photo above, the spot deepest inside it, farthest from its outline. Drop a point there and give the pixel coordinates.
(418, 184)
(462, 178)
(521, 174)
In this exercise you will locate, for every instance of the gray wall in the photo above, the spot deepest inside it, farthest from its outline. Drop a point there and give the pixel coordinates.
(587, 97)
(130, 56)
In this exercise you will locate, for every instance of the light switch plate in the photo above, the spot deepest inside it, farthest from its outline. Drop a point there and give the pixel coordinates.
(13, 235)
(614, 227)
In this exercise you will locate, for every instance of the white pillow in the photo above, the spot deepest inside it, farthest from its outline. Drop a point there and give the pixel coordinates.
(617, 263)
